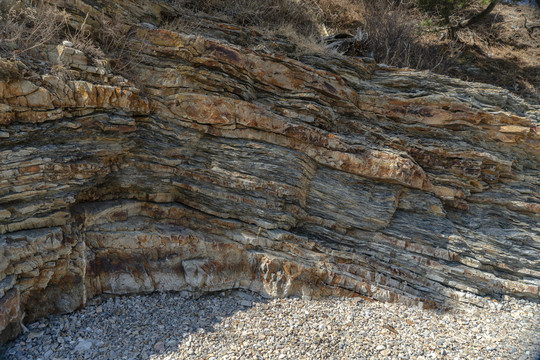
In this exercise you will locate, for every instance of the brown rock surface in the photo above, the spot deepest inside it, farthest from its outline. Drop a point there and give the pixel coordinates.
(239, 169)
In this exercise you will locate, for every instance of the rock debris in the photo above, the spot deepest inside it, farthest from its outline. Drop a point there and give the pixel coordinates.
(241, 325)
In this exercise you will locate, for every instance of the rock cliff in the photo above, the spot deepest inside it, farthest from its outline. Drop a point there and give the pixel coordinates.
(225, 167)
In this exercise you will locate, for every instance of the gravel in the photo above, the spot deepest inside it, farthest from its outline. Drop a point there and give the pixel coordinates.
(242, 325)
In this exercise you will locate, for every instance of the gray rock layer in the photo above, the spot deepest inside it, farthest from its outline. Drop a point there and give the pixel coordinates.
(239, 169)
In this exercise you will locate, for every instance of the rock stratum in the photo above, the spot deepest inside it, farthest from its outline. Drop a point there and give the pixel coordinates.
(238, 168)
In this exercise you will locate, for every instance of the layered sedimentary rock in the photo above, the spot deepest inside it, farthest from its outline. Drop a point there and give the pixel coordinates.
(236, 168)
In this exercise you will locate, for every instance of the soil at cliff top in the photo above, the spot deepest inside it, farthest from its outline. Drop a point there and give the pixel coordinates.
(503, 50)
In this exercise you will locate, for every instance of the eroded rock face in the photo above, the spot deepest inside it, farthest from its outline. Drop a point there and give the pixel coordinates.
(240, 169)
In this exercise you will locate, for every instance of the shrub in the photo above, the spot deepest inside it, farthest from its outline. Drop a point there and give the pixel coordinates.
(27, 25)
(110, 40)
(390, 35)
(299, 23)
(267, 14)
(392, 38)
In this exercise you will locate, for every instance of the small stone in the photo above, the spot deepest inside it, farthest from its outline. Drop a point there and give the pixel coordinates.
(159, 346)
(35, 335)
(278, 328)
(83, 345)
(67, 43)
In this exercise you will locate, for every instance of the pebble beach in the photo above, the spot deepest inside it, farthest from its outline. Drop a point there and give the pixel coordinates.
(243, 325)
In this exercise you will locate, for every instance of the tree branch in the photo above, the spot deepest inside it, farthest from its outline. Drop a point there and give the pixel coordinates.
(472, 20)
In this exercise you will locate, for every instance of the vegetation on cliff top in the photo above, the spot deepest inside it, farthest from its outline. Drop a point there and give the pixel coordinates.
(501, 48)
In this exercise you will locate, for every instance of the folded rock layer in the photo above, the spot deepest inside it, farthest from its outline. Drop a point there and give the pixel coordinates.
(235, 168)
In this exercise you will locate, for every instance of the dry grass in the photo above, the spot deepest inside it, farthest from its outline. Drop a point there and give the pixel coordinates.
(501, 50)
(26, 26)
(115, 41)
(340, 15)
(389, 34)
(297, 23)
(390, 31)
(83, 39)
(393, 38)
(306, 17)
(266, 14)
